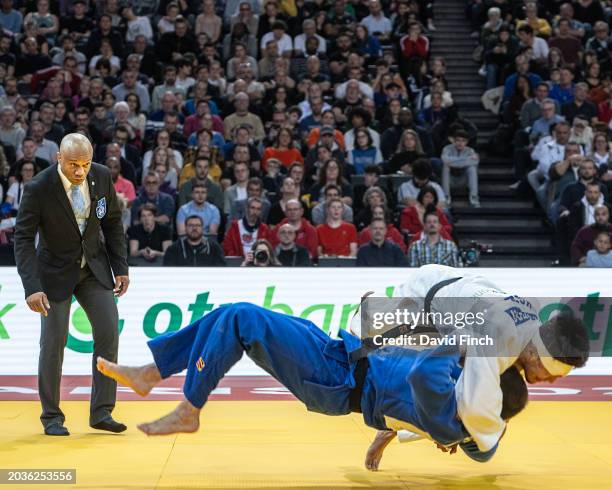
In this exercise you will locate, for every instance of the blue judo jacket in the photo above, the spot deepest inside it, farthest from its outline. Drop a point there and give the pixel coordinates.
(416, 390)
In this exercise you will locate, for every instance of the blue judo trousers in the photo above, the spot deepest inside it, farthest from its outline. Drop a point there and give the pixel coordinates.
(412, 386)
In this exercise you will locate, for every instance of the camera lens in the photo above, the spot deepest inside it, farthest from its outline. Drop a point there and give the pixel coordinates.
(261, 256)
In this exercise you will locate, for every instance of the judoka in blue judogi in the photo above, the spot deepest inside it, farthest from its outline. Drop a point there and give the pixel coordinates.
(397, 387)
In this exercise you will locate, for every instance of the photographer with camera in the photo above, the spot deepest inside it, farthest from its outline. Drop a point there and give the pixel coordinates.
(261, 255)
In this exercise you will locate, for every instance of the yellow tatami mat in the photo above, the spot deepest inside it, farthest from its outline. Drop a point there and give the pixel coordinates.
(280, 445)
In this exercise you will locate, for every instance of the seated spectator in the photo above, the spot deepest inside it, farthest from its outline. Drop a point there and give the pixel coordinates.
(412, 217)
(194, 249)
(279, 34)
(319, 212)
(165, 156)
(600, 41)
(537, 47)
(209, 213)
(522, 94)
(458, 157)
(29, 149)
(522, 68)
(414, 44)
(244, 232)
(439, 87)
(372, 198)
(25, 174)
(288, 252)
(570, 46)
(434, 113)
(582, 134)
(364, 153)
(408, 151)
(283, 150)
(151, 194)
(601, 254)
(167, 186)
(254, 189)
(380, 252)
(421, 176)
(337, 238)
(11, 132)
(360, 118)
(242, 116)
(306, 234)
(237, 191)
(393, 234)
(563, 92)
(371, 178)
(331, 173)
(580, 106)
(136, 25)
(541, 127)
(149, 239)
(583, 241)
(601, 153)
(531, 110)
(288, 191)
(261, 255)
(539, 26)
(201, 176)
(122, 185)
(575, 191)
(273, 180)
(208, 22)
(162, 139)
(432, 248)
(547, 152)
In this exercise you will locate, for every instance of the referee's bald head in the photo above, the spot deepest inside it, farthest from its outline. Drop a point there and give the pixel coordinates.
(75, 157)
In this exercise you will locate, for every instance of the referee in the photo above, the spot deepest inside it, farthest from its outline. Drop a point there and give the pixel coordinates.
(71, 205)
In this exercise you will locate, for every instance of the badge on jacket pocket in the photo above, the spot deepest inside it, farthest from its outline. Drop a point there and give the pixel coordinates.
(101, 208)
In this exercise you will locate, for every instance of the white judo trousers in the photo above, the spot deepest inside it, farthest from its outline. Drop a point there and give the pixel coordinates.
(478, 394)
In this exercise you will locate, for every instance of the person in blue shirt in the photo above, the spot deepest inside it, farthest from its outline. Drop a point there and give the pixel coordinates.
(563, 91)
(198, 206)
(394, 387)
(364, 154)
(522, 68)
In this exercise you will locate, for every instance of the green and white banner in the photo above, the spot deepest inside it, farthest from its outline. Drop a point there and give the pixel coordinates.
(163, 300)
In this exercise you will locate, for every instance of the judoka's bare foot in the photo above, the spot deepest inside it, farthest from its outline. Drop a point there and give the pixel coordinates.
(141, 379)
(184, 418)
(377, 448)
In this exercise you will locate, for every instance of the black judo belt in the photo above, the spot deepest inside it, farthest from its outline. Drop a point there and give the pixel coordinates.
(360, 356)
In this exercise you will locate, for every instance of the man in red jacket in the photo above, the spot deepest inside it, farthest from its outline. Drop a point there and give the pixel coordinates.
(306, 234)
(414, 44)
(243, 233)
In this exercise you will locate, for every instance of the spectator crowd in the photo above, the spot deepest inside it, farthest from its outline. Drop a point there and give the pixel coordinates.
(291, 132)
(547, 66)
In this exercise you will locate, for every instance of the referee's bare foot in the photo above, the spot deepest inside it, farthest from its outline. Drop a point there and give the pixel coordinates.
(141, 379)
(184, 418)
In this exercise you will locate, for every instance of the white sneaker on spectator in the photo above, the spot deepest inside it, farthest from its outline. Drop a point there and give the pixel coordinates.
(514, 186)
(483, 71)
(430, 25)
(475, 35)
(474, 202)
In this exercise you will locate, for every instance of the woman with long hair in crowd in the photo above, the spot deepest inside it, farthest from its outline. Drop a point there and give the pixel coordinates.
(331, 173)
(408, 150)
(364, 153)
(283, 149)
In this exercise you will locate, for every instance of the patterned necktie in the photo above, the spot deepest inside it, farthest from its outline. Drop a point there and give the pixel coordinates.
(78, 206)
